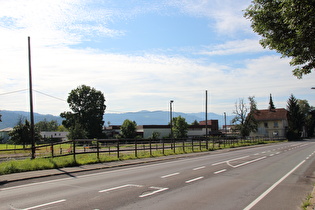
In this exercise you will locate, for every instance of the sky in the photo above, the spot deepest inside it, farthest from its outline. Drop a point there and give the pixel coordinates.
(140, 54)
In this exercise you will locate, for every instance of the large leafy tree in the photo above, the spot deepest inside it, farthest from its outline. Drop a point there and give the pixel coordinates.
(295, 119)
(308, 113)
(128, 129)
(88, 107)
(21, 134)
(180, 127)
(287, 26)
(47, 125)
(244, 117)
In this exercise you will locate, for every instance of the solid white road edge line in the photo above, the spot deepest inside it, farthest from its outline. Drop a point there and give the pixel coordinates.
(45, 204)
(251, 205)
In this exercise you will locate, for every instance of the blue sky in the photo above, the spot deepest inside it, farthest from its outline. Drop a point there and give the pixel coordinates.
(141, 54)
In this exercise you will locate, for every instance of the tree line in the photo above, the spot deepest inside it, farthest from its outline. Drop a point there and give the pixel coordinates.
(85, 120)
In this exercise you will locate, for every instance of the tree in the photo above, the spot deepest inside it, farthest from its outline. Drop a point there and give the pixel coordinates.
(21, 134)
(308, 116)
(286, 26)
(128, 129)
(295, 119)
(47, 126)
(271, 105)
(244, 117)
(87, 105)
(195, 123)
(180, 127)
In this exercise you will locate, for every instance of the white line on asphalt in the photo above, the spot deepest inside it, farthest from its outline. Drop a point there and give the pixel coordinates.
(251, 205)
(195, 179)
(45, 204)
(248, 162)
(169, 175)
(214, 164)
(217, 172)
(201, 167)
(157, 190)
(119, 187)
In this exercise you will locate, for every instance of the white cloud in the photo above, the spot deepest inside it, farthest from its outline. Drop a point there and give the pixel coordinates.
(226, 14)
(234, 47)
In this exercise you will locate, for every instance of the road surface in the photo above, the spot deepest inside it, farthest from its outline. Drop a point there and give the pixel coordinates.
(276, 176)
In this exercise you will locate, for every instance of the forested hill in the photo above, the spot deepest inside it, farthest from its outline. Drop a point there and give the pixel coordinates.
(10, 118)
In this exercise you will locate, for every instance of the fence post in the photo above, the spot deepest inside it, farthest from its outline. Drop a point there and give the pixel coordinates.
(118, 149)
(174, 148)
(74, 151)
(98, 149)
(136, 152)
(207, 146)
(192, 144)
(163, 144)
(52, 149)
(150, 143)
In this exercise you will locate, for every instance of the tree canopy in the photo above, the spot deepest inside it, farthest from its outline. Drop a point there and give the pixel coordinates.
(21, 134)
(180, 127)
(88, 107)
(295, 119)
(244, 117)
(47, 126)
(287, 26)
(128, 129)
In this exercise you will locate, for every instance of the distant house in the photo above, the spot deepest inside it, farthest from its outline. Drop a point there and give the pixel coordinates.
(4, 135)
(271, 123)
(112, 131)
(54, 135)
(146, 131)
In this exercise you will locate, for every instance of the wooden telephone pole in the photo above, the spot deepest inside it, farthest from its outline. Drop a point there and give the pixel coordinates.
(31, 99)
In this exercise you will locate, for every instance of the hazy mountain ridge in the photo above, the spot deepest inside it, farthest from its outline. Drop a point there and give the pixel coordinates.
(10, 118)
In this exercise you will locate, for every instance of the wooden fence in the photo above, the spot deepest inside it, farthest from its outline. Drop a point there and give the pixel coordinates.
(117, 147)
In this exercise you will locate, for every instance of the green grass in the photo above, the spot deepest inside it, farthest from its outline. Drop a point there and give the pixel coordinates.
(14, 166)
(307, 202)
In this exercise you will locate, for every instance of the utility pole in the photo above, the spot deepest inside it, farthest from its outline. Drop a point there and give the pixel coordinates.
(31, 99)
(225, 122)
(171, 118)
(206, 113)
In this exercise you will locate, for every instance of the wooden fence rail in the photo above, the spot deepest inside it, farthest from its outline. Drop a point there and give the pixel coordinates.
(118, 147)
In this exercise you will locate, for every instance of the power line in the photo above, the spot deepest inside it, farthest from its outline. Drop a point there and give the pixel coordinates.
(45, 94)
(1, 94)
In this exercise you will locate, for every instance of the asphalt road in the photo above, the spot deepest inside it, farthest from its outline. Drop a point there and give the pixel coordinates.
(277, 176)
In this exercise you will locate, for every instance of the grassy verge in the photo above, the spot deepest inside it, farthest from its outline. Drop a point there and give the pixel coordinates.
(15, 166)
(307, 202)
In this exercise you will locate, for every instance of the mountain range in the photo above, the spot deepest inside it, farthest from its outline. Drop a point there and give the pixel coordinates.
(11, 118)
